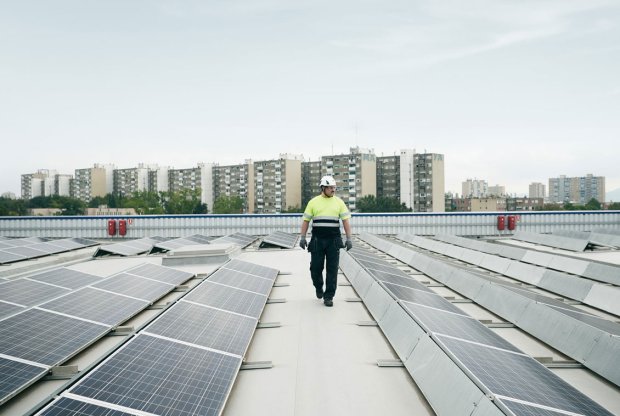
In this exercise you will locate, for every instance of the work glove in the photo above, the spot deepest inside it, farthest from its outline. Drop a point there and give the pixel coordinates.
(348, 244)
(303, 243)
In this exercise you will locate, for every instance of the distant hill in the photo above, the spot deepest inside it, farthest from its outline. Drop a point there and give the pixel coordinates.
(613, 195)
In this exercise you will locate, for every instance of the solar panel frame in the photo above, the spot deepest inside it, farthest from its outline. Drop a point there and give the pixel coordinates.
(46, 337)
(228, 298)
(96, 305)
(161, 273)
(16, 376)
(135, 286)
(65, 406)
(7, 309)
(174, 378)
(252, 268)
(26, 252)
(68, 278)
(6, 257)
(518, 376)
(242, 281)
(29, 292)
(205, 326)
(420, 297)
(456, 325)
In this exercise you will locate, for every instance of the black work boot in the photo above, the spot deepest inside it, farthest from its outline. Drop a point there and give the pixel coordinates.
(319, 293)
(328, 302)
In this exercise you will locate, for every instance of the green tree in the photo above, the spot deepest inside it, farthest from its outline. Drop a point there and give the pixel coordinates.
(614, 205)
(184, 202)
(370, 203)
(367, 203)
(13, 207)
(293, 210)
(593, 204)
(228, 205)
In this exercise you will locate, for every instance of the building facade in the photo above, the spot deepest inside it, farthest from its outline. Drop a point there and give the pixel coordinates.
(129, 181)
(429, 183)
(235, 180)
(388, 177)
(497, 190)
(475, 188)
(537, 190)
(524, 204)
(89, 183)
(355, 174)
(277, 184)
(310, 180)
(577, 190)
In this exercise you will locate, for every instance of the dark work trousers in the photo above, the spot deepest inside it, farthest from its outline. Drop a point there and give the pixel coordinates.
(325, 251)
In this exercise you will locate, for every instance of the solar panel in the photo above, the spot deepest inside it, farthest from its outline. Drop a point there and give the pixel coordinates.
(69, 407)
(15, 376)
(251, 268)
(135, 286)
(19, 242)
(205, 326)
(399, 280)
(26, 252)
(127, 247)
(384, 266)
(161, 273)
(459, 326)
(279, 239)
(7, 309)
(200, 239)
(67, 244)
(6, 257)
(28, 293)
(240, 239)
(523, 409)
(47, 248)
(242, 281)
(228, 298)
(71, 279)
(174, 378)
(45, 337)
(96, 305)
(519, 377)
(421, 297)
(83, 241)
(608, 326)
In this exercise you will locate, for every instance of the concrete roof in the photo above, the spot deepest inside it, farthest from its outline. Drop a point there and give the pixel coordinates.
(324, 362)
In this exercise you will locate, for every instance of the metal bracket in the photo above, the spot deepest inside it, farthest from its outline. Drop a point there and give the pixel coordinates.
(268, 325)
(563, 364)
(499, 324)
(276, 300)
(460, 300)
(367, 323)
(181, 288)
(121, 331)
(390, 363)
(281, 273)
(352, 300)
(256, 365)
(281, 284)
(62, 372)
(344, 284)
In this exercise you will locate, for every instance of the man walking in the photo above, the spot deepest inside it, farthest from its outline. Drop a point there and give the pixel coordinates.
(325, 211)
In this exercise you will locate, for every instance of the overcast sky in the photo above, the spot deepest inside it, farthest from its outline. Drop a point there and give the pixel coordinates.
(510, 91)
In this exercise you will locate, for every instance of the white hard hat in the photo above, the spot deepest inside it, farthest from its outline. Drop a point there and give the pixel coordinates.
(328, 181)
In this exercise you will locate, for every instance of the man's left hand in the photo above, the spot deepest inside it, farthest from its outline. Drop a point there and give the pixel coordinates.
(348, 244)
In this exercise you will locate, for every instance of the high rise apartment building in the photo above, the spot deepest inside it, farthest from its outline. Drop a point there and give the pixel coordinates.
(277, 184)
(128, 181)
(310, 180)
(388, 177)
(406, 181)
(199, 179)
(537, 190)
(497, 190)
(158, 178)
(235, 180)
(429, 183)
(475, 188)
(355, 174)
(45, 182)
(577, 190)
(89, 183)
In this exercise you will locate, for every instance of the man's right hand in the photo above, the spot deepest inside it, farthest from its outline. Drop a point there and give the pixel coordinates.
(303, 243)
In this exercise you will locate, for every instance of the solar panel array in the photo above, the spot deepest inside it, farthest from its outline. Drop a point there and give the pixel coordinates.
(51, 316)
(13, 250)
(279, 239)
(185, 361)
(588, 339)
(239, 239)
(181, 242)
(555, 241)
(128, 247)
(596, 238)
(606, 273)
(519, 384)
(573, 287)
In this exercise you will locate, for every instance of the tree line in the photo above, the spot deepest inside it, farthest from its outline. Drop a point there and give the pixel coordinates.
(188, 202)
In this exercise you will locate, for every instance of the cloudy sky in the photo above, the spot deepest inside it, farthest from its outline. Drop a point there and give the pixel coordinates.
(510, 91)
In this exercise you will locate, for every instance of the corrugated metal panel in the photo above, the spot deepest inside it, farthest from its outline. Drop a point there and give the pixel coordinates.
(456, 223)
